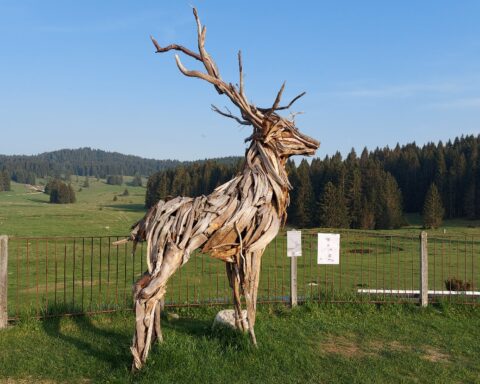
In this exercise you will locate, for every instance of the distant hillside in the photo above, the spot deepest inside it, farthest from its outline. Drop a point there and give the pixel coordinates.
(86, 162)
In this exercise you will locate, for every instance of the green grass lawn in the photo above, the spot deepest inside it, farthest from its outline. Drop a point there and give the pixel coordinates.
(346, 343)
(451, 227)
(311, 344)
(23, 213)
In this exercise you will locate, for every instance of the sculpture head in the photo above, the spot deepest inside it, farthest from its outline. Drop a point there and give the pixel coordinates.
(269, 128)
(286, 139)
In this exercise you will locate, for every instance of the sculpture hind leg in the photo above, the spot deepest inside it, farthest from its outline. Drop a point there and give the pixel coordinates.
(158, 328)
(250, 284)
(235, 281)
(149, 291)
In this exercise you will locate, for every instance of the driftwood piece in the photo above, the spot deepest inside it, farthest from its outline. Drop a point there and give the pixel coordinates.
(234, 223)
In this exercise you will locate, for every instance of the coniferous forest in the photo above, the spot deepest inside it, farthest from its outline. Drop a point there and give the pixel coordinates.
(370, 190)
(367, 190)
(82, 162)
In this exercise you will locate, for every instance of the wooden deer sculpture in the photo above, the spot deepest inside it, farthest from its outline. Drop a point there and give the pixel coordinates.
(234, 223)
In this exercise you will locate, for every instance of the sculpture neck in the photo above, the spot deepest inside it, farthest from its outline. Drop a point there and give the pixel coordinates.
(263, 160)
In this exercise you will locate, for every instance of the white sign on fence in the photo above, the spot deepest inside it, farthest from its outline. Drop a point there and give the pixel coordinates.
(328, 248)
(294, 243)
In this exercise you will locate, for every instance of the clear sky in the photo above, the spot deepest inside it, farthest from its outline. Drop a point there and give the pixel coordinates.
(84, 73)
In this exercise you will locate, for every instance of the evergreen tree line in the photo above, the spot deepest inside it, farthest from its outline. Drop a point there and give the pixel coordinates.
(453, 167)
(189, 180)
(84, 162)
(23, 177)
(366, 192)
(350, 193)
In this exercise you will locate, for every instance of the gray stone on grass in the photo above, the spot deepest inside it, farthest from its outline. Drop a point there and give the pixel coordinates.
(226, 318)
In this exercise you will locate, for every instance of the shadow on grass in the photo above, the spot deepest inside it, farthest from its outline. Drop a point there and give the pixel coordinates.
(92, 340)
(37, 200)
(127, 207)
(226, 337)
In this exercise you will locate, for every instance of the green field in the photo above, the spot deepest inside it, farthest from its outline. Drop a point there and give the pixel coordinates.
(61, 260)
(54, 272)
(23, 213)
(312, 344)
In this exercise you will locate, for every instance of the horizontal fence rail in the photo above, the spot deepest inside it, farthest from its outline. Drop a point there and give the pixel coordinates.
(49, 276)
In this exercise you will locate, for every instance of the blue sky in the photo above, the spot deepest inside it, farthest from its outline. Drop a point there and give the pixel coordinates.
(84, 73)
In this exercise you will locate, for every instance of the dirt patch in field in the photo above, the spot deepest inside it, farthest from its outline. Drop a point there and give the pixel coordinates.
(379, 346)
(434, 355)
(398, 347)
(25, 381)
(348, 347)
(343, 346)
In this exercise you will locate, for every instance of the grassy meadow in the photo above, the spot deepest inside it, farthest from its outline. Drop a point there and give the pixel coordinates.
(26, 213)
(87, 273)
(332, 344)
(79, 270)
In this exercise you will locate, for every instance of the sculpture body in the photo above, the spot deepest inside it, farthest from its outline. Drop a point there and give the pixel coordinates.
(234, 223)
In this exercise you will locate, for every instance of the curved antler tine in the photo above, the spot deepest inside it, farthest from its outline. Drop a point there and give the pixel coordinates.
(193, 73)
(248, 111)
(209, 64)
(240, 70)
(155, 43)
(291, 102)
(230, 115)
(277, 99)
(175, 47)
(266, 110)
(197, 19)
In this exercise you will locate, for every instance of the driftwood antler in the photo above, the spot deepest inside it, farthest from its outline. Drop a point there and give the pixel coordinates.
(234, 223)
(251, 115)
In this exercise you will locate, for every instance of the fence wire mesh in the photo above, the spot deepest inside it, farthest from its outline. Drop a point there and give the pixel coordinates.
(50, 276)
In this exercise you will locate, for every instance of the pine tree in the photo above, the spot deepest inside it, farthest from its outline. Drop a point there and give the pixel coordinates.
(433, 208)
(440, 170)
(302, 207)
(115, 179)
(4, 181)
(367, 215)
(158, 186)
(353, 192)
(136, 181)
(470, 181)
(389, 214)
(60, 193)
(333, 208)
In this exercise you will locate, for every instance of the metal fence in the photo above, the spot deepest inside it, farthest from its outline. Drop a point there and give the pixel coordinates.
(50, 276)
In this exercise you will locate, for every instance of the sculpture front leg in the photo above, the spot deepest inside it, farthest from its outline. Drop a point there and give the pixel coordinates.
(148, 296)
